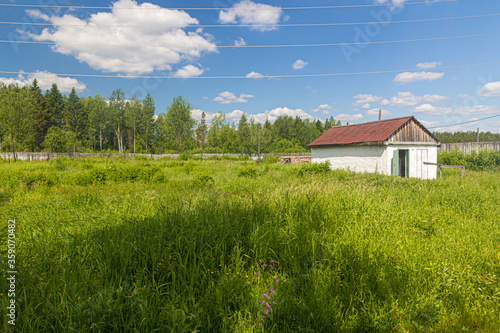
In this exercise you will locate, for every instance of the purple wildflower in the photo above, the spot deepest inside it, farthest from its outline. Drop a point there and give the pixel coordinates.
(267, 312)
(267, 305)
(271, 267)
(264, 266)
(256, 274)
(274, 303)
(262, 302)
(264, 295)
(276, 280)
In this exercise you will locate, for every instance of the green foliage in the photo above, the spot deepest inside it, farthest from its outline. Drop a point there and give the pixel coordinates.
(356, 252)
(482, 160)
(314, 168)
(249, 171)
(58, 140)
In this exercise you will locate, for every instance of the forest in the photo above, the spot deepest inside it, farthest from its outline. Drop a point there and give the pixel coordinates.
(31, 120)
(34, 121)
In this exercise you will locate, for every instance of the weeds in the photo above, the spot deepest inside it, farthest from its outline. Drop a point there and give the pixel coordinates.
(171, 245)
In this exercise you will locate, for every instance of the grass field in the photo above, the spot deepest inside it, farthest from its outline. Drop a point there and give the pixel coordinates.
(226, 246)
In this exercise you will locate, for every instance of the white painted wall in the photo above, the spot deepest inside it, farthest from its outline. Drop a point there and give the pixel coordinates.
(378, 158)
(358, 159)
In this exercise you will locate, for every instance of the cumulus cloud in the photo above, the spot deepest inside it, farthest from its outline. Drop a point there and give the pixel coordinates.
(188, 71)
(408, 77)
(462, 111)
(404, 99)
(428, 65)
(45, 80)
(348, 117)
(362, 99)
(254, 75)
(108, 49)
(299, 64)
(281, 111)
(233, 116)
(491, 89)
(323, 107)
(227, 97)
(434, 98)
(258, 16)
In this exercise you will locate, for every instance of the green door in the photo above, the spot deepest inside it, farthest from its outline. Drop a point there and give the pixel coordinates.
(395, 163)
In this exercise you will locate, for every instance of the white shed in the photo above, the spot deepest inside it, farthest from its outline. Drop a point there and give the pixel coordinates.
(397, 147)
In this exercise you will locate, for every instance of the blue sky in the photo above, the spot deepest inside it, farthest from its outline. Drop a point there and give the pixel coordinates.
(426, 73)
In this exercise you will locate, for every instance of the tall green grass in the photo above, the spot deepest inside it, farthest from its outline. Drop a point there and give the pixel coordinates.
(183, 246)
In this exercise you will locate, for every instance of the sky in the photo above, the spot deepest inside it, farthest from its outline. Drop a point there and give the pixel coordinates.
(437, 60)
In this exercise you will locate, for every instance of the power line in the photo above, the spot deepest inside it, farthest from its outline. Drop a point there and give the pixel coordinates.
(252, 25)
(260, 76)
(255, 46)
(466, 122)
(212, 8)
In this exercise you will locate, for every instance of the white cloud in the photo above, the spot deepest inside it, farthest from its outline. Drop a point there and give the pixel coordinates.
(323, 107)
(462, 111)
(254, 75)
(256, 15)
(234, 115)
(188, 71)
(491, 89)
(281, 111)
(196, 114)
(365, 106)
(434, 98)
(70, 34)
(45, 80)
(227, 97)
(240, 42)
(362, 99)
(408, 77)
(374, 113)
(348, 117)
(428, 65)
(299, 64)
(404, 99)
(463, 96)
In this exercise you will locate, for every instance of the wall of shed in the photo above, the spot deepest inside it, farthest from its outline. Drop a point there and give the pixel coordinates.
(359, 158)
(378, 159)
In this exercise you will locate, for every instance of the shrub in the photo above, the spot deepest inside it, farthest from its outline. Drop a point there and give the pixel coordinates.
(314, 168)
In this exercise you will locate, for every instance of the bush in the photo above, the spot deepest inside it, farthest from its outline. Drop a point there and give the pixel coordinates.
(314, 168)
(482, 160)
(249, 171)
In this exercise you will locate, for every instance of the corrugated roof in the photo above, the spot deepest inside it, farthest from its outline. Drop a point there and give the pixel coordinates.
(375, 131)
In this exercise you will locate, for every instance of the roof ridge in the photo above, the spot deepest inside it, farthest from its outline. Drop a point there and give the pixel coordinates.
(375, 121)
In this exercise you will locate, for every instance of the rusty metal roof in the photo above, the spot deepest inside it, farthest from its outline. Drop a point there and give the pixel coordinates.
(367, 133)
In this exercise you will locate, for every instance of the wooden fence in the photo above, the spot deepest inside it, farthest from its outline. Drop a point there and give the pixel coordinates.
(468, 147)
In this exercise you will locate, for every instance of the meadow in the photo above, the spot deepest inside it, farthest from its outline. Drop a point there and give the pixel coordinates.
(115, 245)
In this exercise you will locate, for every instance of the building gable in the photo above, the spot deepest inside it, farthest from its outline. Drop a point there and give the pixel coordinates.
(412, 131)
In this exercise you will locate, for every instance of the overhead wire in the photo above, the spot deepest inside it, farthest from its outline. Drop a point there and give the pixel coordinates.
(260, 76)
(252, 46)
(252, 25)
(465, 122)
(224, 8)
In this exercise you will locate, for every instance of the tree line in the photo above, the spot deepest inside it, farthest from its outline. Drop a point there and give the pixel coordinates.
(32, 120)
(470, 136)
